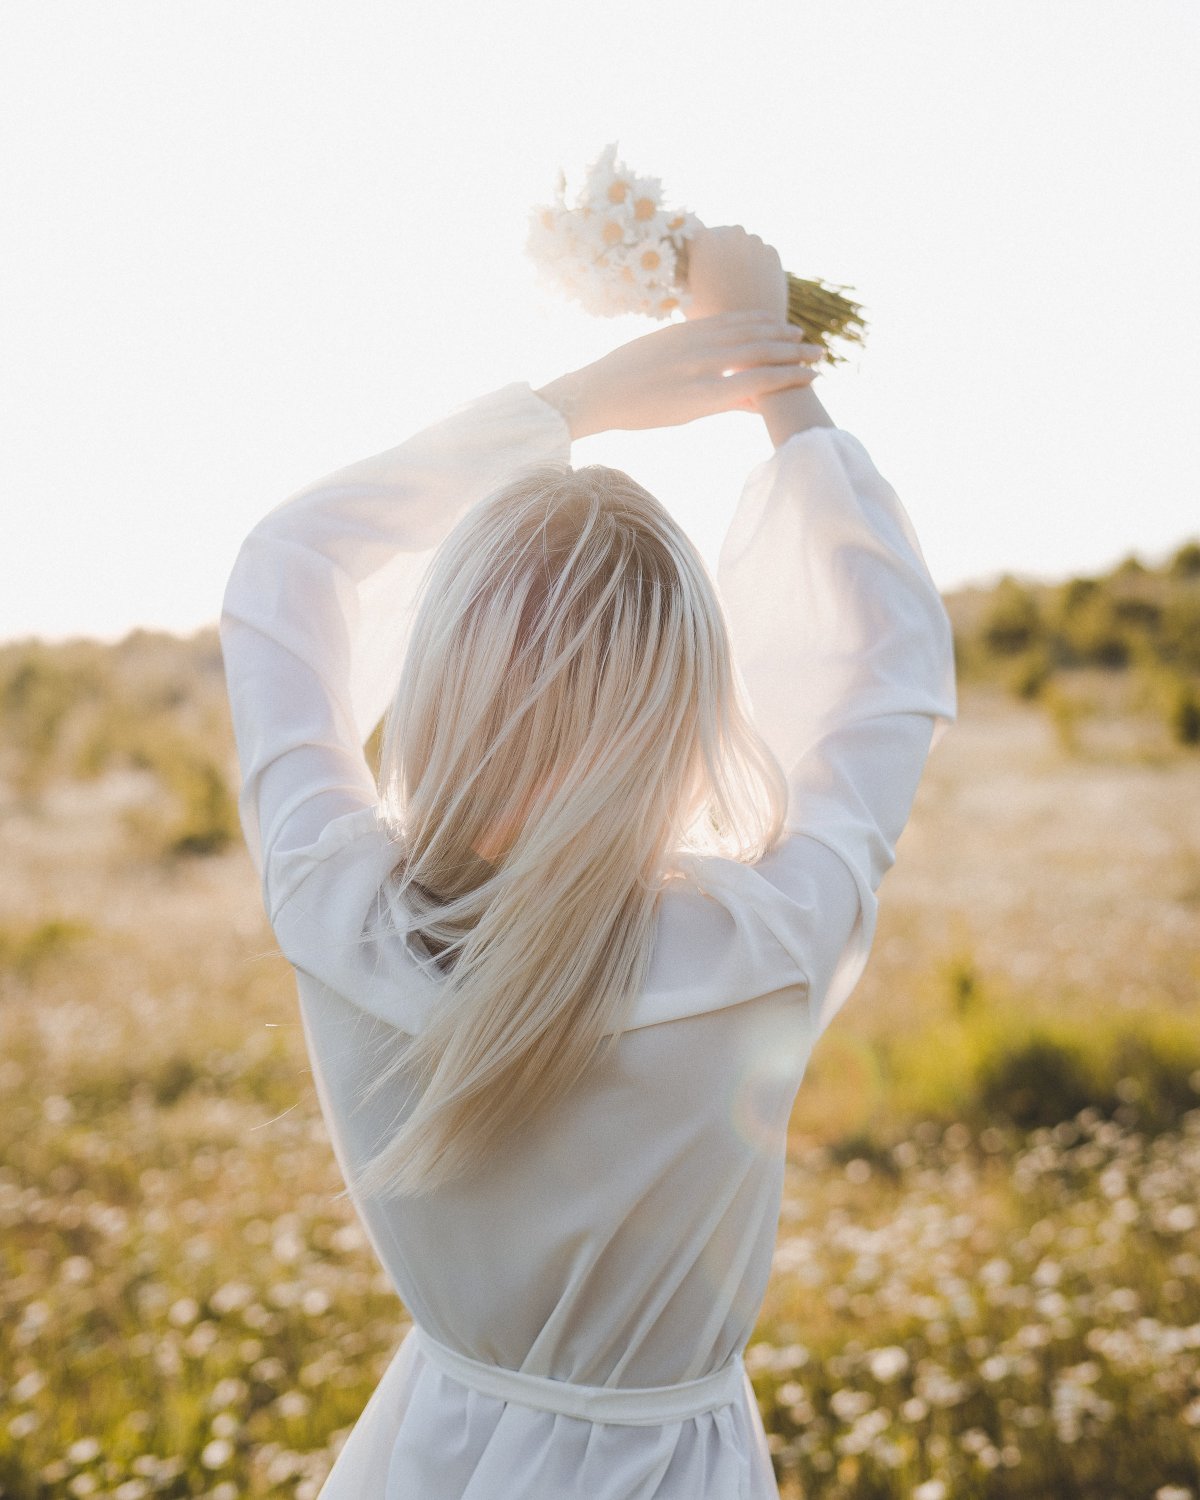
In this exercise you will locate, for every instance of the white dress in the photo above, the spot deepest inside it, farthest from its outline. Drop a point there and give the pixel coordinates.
(580, 1309)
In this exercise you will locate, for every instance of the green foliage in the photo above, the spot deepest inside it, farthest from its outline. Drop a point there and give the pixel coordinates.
(1185, 715)
(963, 984)
(995, 1056)
(26, 948)
(207, 819)
(1186, 562)
(1179, 640)
(41, 688)
(1014, 622)
(1030, 673)
(1093, 635)
(1076, 593)
(972, 1325)
(154, 704)
(1036, 1080)
(1136, 621)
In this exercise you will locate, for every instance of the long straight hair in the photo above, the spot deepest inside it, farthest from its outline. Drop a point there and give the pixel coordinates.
(568, 716)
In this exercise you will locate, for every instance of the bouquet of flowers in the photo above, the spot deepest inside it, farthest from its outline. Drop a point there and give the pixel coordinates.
(617, 250)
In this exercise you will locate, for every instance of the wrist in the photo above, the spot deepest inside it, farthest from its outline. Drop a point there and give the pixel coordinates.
(791, 411)
(570, 395)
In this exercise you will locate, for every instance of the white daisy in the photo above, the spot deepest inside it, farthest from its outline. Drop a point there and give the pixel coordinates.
(615, 249)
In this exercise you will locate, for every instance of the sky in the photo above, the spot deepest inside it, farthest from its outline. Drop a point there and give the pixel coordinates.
(247, 243)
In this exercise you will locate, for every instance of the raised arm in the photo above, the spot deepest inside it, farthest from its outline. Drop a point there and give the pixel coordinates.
(320, 601)
(843, 644)
(846, 652)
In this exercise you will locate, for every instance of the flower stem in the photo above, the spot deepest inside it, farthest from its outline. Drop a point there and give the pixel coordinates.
(825, 313)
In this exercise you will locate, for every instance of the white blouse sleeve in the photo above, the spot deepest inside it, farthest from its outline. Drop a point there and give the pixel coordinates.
(320, 603)
(846, 653)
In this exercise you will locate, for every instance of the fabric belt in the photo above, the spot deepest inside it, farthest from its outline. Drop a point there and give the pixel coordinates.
(628, 1406)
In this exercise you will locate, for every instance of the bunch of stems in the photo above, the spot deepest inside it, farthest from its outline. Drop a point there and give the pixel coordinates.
(825, 313)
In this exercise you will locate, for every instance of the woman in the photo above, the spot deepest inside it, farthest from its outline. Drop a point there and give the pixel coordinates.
(561, 971)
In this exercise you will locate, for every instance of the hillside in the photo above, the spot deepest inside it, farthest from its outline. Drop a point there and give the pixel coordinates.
(1128, 639)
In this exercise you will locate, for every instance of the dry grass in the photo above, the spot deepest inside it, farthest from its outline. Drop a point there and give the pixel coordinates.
(961, 1306)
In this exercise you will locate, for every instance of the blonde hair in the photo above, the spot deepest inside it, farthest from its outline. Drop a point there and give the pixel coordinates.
(568, 715)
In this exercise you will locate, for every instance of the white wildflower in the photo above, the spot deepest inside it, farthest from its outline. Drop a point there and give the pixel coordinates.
(849, 1404)
(887, 1363)
(615, 250)
(932, 1489)
(216, 1454)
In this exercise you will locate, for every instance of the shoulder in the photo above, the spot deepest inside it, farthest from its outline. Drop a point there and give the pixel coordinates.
(719, 941)
(336, 920)
(729, 931)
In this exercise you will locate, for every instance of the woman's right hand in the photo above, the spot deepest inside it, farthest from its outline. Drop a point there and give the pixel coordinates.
(731, 361)
(729, 270)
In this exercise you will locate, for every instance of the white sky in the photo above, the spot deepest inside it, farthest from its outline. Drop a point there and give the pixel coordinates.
(246, 243)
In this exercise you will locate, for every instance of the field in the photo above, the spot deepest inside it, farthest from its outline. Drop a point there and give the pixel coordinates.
(987, 1284)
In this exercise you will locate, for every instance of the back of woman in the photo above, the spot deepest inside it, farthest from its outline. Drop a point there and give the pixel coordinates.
(562, 968)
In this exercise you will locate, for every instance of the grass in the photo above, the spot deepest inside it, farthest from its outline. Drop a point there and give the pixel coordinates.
(987, 1280)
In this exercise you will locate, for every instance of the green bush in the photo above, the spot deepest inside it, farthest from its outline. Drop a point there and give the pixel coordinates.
(1014, 622)
(1185, 715)
(27, 947)
(1186, 562)
(1036, 1081)
(208, 819)
(1075, 593)
(1093, 635)
(1035, 639)
(995, 1056)
(1179, 637)
(1030, 673)
(41, 688)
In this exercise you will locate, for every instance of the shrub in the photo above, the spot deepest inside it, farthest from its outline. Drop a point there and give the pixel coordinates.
(1075, 593)
(26, 948)
(1137, 611)
(1014, 621)
(989, 1053)
(1039, 1080)
(208, 819)
(1092, 635)
(39, 690)
(1186, 562)
(1030, 673)
(1185, 715)
(1179, 638)
(1152, 1070)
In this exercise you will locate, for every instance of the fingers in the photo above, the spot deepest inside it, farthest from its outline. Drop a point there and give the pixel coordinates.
(731, 332)
(771, 351)
(748, 385)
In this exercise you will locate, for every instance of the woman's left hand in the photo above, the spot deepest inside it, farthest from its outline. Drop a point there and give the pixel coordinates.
(725, 362)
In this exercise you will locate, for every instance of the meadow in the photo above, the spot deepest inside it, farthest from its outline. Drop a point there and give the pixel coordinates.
(987, 1280)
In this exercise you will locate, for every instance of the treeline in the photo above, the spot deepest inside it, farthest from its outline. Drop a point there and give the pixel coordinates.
(148, 718)
(152, 707)
(1137, 622)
